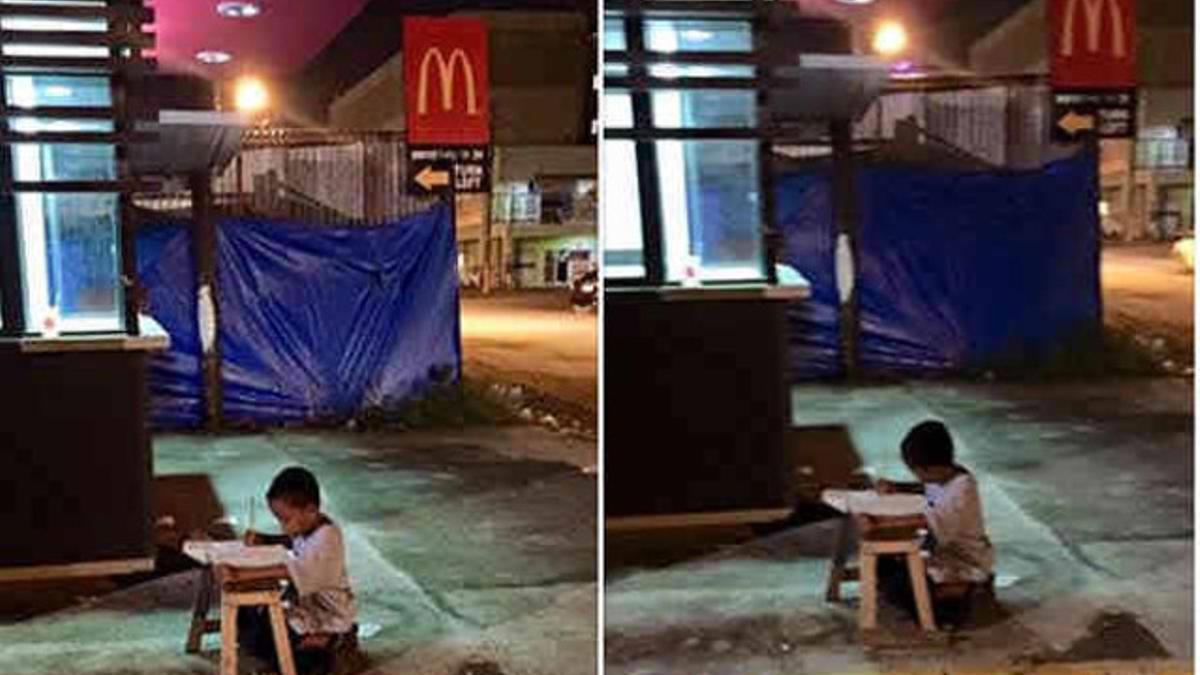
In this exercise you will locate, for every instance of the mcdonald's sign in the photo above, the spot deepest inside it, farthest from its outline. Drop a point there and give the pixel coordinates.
(1093, 44)
(446, 81)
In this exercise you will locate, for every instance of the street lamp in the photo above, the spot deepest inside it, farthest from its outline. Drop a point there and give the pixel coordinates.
(890, 39)
(250, 95)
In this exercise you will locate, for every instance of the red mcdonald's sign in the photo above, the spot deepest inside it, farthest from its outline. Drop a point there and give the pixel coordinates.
(446, 81)
(1093, 44)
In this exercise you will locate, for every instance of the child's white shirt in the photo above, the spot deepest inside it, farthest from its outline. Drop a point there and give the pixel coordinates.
(954, 512)
(317, 567)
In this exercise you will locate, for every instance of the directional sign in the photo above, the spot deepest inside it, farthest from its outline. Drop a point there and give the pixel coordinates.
(439, 170)
(1100, 113)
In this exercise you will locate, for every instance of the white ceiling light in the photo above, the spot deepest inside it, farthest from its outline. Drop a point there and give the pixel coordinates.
(856, 2)
(238, 10)
(213, 57)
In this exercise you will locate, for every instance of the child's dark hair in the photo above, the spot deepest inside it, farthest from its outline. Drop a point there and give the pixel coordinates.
(928, 444)
(296, 486)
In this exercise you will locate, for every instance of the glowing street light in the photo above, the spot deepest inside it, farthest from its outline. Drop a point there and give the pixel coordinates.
(890, 39)
(250, 95)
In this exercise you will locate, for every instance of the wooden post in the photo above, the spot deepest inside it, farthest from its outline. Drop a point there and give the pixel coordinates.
(485, 238)
(845, 216)
(204, 250)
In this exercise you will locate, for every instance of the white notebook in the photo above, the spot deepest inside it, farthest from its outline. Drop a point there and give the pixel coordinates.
(871, 503)
(234, 554)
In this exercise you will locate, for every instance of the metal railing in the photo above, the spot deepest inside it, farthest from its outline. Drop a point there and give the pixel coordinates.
(1001, 122)
(315, 176)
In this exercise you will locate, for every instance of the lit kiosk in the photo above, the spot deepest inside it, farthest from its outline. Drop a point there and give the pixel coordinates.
(697, 408)
(75, 462)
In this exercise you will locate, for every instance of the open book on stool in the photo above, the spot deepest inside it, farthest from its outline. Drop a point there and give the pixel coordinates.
(235, 554)
(871, 503)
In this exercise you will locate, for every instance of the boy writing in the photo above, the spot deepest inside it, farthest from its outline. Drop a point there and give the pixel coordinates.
(960, 553)
(319, 604)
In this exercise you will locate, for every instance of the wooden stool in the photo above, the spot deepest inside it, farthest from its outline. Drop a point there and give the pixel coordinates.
(233, 596)
(868, 553)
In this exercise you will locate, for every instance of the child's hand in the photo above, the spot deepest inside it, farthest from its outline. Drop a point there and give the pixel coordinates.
(885, 487)
(251, 538)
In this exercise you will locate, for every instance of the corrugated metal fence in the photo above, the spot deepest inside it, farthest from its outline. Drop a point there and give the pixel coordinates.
(317, 176)
(1003, 122)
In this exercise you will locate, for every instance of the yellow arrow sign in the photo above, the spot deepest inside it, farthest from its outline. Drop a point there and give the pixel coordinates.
(1073, 122)
(430, 179)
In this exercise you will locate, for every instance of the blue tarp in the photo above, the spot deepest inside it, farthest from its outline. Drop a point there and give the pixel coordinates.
(166, 271)
(315, 324)
(956, 271)
(805, 216)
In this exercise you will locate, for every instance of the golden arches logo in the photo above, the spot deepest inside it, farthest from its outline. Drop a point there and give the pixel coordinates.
(446, 78)
(1093, 13)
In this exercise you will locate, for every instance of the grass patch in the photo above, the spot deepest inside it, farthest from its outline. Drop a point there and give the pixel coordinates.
(449, 405)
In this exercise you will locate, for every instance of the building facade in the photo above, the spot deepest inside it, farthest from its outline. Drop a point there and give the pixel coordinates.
(542, 208)
(1146, 182)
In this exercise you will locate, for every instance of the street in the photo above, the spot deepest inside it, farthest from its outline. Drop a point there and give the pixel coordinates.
(533, 339)
(1148, 292)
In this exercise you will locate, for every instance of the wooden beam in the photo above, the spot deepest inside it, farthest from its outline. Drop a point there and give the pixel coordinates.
(82, 186)
(91, 137)
(106, 568)
(61, 65)
(78, 38)
(143, 15)
(63, 112)
(676, 520)
(204, 252)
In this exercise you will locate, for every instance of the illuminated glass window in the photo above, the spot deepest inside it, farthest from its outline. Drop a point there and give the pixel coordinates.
(623, 255)
(691, 35)
(70, 260)
(75, 91)
(704, 109)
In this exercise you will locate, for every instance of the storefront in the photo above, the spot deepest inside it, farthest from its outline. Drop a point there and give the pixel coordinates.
(76, 467)
(697, 407)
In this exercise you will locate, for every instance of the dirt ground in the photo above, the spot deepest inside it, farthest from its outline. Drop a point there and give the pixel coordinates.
(533, 339)
(1149, 293)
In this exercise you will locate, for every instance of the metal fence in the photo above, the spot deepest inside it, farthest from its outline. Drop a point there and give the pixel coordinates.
(316, 176)
(1002, 122)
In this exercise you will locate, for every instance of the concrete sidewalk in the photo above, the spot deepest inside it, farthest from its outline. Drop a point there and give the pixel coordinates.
(1087, 490)
(464, 546)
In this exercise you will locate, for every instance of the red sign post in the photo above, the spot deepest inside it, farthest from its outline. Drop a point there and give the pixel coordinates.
(1093, 67)
(446, 81)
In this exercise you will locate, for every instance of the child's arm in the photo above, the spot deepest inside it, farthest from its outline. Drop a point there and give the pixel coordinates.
(253, 538)
(883, 487)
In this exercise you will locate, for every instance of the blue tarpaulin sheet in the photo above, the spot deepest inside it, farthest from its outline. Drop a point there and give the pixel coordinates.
(956, 271)
(167, 272)
(315, 323)
(805, 216)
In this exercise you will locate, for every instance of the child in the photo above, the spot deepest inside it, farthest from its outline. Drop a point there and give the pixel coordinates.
(320, 608)
(961, 556)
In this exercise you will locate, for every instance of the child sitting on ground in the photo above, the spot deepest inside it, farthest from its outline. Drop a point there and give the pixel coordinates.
(319, 605)
(961, 556)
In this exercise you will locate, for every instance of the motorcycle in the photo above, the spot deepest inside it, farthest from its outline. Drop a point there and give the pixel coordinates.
(585, 292)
